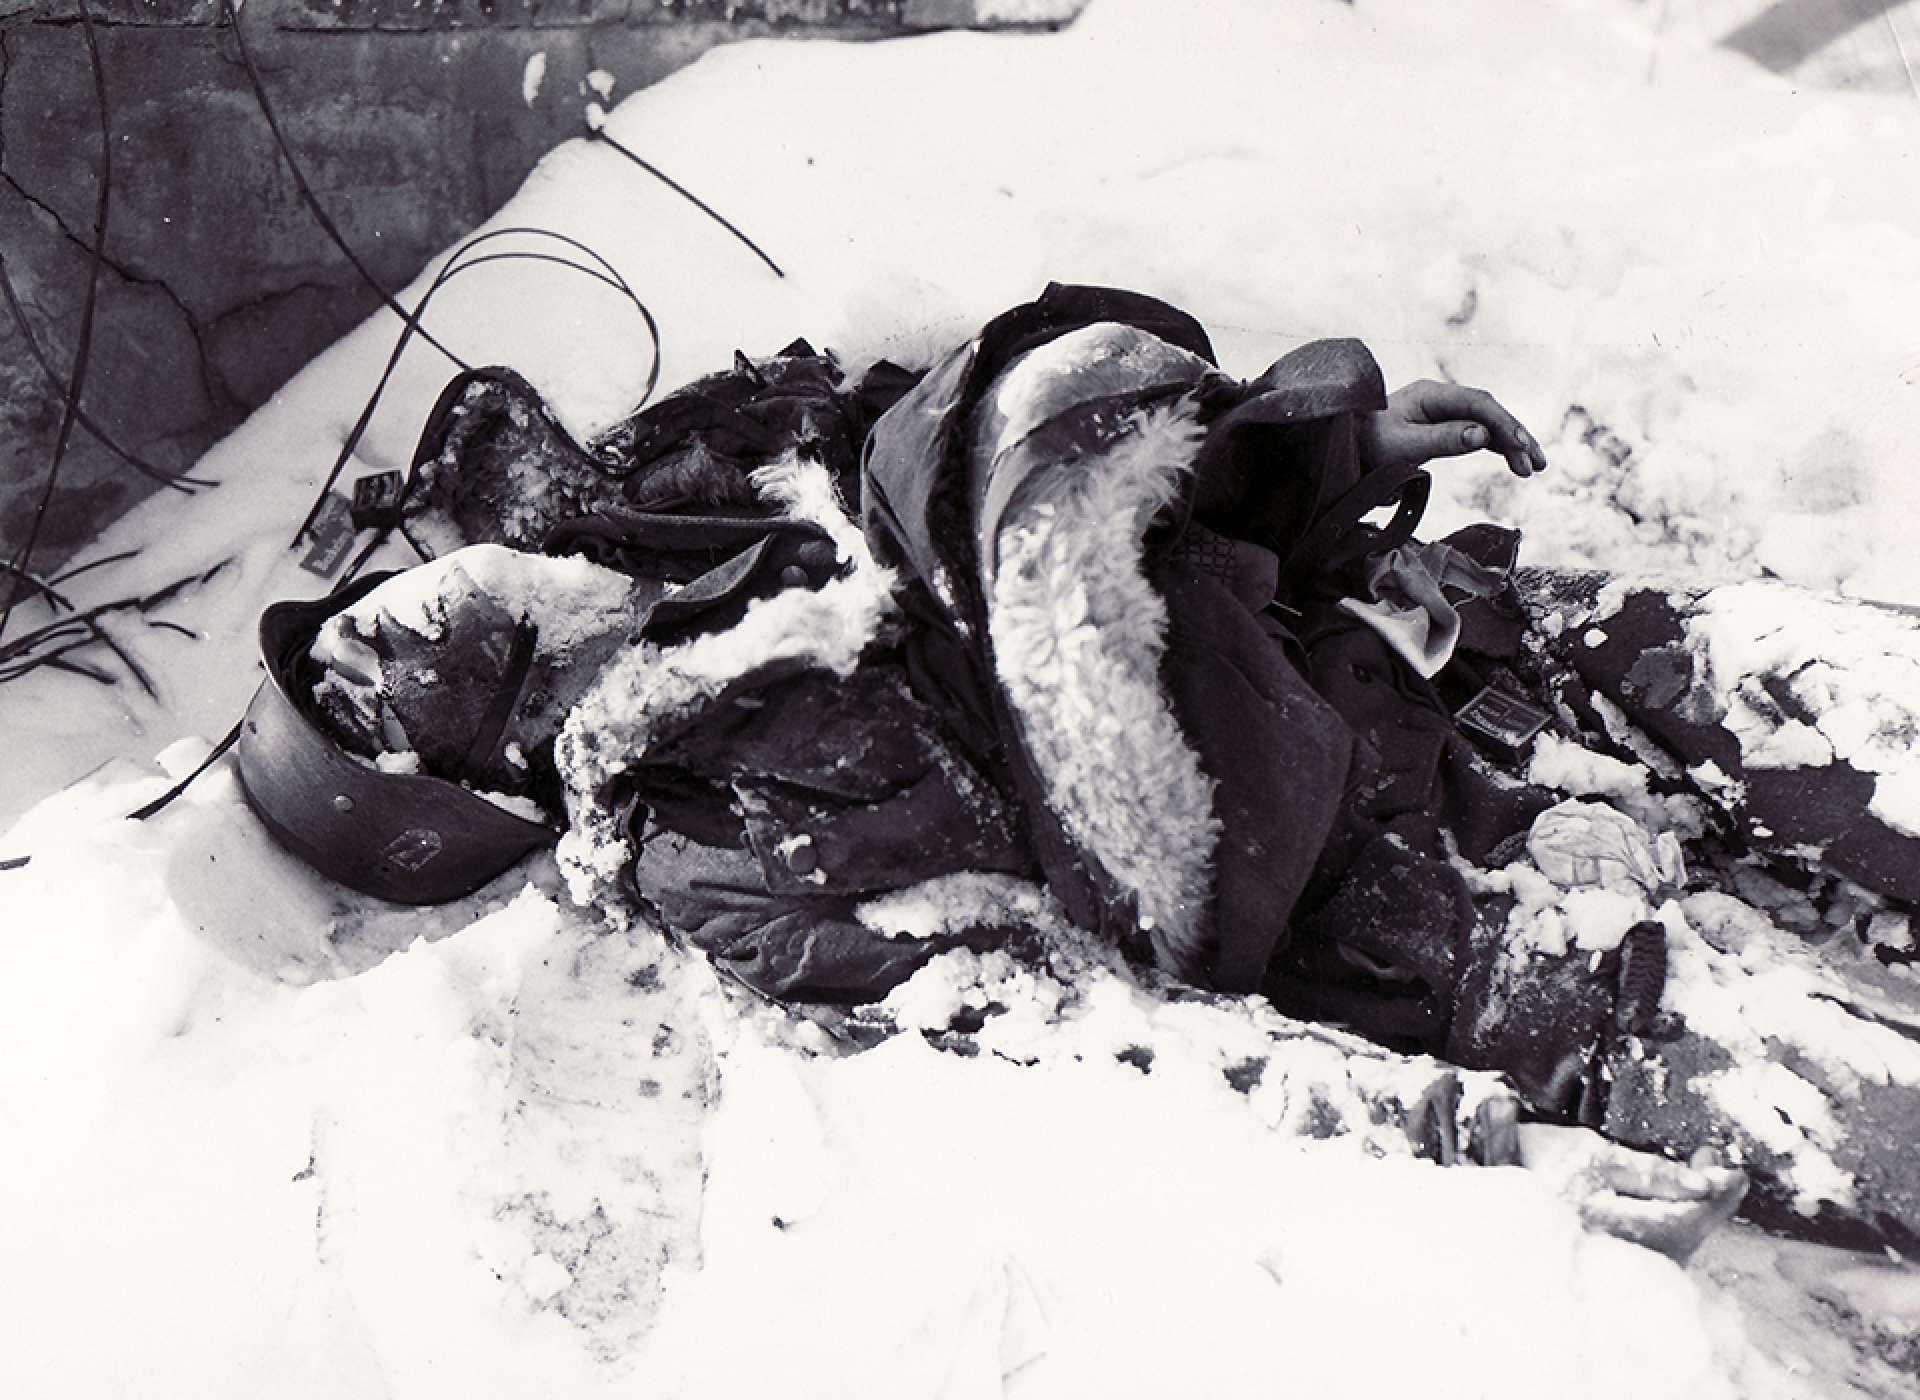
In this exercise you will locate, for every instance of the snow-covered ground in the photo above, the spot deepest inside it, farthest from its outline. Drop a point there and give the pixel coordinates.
(264, 1139)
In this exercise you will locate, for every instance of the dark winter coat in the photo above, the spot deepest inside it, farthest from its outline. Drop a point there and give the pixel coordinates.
(1085, 635)
(1039, 493)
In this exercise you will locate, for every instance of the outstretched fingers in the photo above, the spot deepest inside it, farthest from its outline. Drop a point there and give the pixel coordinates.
(1456, 419)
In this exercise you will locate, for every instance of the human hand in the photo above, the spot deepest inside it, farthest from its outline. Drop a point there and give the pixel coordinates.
(1428, 419)
(1666, 1206)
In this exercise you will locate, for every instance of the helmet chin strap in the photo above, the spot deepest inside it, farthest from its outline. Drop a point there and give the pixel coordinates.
(513, 682)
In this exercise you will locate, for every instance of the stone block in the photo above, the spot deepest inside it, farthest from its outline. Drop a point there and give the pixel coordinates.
(144, 386)
(412, 123)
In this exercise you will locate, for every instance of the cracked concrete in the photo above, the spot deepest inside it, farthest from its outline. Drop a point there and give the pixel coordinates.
(217, 283)
(112, 267)
(145, 385)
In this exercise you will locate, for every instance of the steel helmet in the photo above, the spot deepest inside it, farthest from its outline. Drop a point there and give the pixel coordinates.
(406, 837)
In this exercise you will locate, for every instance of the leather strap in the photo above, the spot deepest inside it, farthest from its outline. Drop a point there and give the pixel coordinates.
(1337, 537)
(486, 735)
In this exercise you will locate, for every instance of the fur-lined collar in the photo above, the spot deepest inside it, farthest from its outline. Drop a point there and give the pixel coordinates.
(1078, 634)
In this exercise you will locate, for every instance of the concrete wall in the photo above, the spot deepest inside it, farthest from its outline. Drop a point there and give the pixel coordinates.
(409, 120)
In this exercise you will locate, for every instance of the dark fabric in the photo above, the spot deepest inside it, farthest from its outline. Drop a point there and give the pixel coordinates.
(764, 815)
(1541, 1021)
(1401, 725)
(810, 948)
(837, 772)
(770, 813)
(1385, 934)
(689, 456)
(1275, 448)
(697, 445)
(914, 484)
(675, 547)
(1643, 664)
(1413, 759)
(1284, 449)
(1382, 954)
(1278, 755)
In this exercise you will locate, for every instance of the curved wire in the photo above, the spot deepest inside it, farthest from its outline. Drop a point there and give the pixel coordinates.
(457, 263)
(177, 481)
(307, 195)
(83, 346)
(600, 134)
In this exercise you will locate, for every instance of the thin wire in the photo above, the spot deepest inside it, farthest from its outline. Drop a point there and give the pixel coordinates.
(91, 565)
(55, 599)
(352, 440)
(82, 622)
(1899, 49)
(457, 263)
(619, 281)
(600, 134)
(213, 757)
(83, 346)
(178, 481)
(307, 195)
(161, 802)
(52, 658)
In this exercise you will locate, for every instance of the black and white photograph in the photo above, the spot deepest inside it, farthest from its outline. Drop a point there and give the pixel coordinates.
(960, 699)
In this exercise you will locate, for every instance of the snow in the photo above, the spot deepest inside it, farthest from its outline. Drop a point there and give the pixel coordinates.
(1791, 1117)
(1025, 11)
(278, 1141)
(1754, 991)
(486, 1163)
(534, 75)
(1561, 763)
(566, 599)
(1856, 671)
(878, 1154)
(524, 808)
(1889, 929)
(1599, 919)
(953, 903)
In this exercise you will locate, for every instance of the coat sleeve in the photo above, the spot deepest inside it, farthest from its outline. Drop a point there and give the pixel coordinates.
(784, 945)
(773, 815)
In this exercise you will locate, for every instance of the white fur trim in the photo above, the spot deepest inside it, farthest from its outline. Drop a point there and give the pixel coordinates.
(804, 489)
(1078, 634)
(647, 685)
